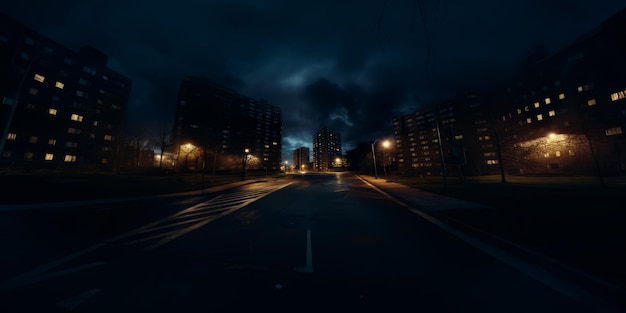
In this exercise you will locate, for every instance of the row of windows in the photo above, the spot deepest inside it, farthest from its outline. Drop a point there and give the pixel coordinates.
(68, 158)
(52, 142)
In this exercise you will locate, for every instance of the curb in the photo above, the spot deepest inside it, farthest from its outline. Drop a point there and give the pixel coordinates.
(595, 285)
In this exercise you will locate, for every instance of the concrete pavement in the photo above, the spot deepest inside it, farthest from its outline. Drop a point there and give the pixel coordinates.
(424, 200)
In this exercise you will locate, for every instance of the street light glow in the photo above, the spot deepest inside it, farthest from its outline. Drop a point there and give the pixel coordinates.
(386, 144)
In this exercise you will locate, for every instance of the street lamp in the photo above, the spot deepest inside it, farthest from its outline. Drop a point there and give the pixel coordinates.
(188, 148)
(286, 166)
(374, 160)
(386, 145)
(244, 160)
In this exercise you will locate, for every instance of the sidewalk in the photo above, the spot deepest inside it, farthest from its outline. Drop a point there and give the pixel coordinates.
(428, 201)
(593, 257)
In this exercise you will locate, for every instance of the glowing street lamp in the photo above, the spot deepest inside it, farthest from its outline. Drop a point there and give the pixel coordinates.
(386, 145)
(244, 160)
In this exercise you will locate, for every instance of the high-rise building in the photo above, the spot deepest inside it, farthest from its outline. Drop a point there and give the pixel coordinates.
(565, 113)
(467, 139)
(326, 147)
(59, 107)
(216, 124)
(301, 158)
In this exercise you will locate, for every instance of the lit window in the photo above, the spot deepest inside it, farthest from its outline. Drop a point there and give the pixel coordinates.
(33, 139)
(39, 78)
(546, 155)
(618, 95)
(526, 108)
(274, 143)
(529, 120)
(95, 123)
(561, 96)
(49, 157)
(28, 155)
(591, 102)
(7, 100)
(519, 111)
(76, 117)
(552, 113)
(70, 158)
(536, 104)
(108, 137)
(11, 136)
(33, 91)
(52, 111)
(72, 130)
(613, 131)
(557, 154)
(539, 117)
(52, 142)
(570, 152)
(547, 100)
(71, 144)
(59, 85)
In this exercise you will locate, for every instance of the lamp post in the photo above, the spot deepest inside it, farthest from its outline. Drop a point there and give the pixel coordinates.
(244, 160)
(386, 146)
(374, 159)
(286, 166)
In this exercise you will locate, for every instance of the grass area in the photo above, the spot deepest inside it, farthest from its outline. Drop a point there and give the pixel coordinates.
(40, 187)
(569, 218)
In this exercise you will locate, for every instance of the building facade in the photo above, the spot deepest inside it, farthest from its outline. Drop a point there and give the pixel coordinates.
(301, 158)
(215, 125)
(60, 108)
(563, 113)
(326, 147)
(461, 125)
(566, 112)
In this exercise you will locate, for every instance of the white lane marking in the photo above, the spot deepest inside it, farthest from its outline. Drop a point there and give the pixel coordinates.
(73, 302)
(309, 251)
(309, 254)
(539, 274)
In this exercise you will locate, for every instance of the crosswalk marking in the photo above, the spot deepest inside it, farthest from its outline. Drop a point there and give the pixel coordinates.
(151, 234)
(165, 230)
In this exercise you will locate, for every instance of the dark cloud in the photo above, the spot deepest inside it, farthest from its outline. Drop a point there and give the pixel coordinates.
(345, 64)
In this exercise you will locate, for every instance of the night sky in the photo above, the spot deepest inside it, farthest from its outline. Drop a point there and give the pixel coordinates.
(349, 65)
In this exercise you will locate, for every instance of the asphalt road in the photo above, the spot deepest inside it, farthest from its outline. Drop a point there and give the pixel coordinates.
(300, 243)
